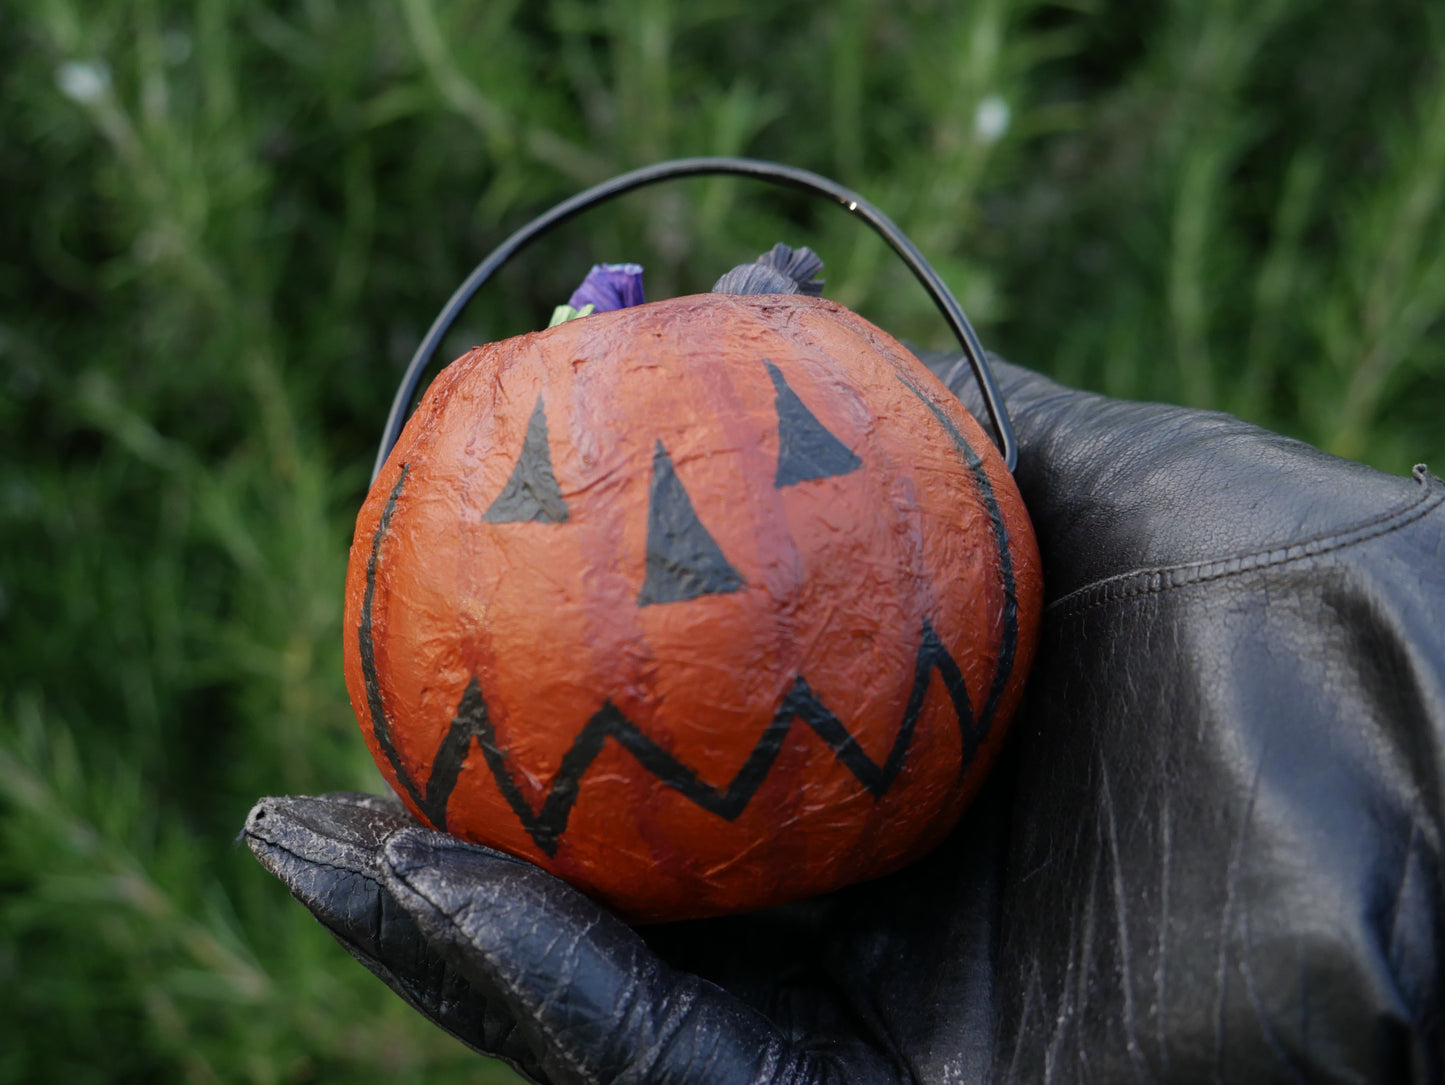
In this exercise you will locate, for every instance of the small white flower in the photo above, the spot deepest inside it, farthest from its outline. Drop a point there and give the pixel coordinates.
(991, 119)
(83, 81)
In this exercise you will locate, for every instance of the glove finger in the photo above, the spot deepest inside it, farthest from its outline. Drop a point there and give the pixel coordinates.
(591, 1000)
(327, 851)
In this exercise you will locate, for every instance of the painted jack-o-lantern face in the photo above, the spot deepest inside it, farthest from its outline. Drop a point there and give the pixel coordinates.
(703, 605)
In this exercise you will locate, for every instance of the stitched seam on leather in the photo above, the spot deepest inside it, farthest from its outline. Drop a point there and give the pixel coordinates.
(1156, 581)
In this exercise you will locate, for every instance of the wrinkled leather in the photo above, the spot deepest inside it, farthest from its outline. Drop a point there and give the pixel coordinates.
(1211, 852)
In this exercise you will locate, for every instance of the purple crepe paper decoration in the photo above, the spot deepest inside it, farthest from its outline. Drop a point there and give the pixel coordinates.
(608, 287)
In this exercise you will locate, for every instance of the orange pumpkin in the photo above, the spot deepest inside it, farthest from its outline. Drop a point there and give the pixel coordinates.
(704, 605)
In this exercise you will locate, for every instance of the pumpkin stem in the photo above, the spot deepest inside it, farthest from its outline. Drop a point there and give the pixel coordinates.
(781, 270)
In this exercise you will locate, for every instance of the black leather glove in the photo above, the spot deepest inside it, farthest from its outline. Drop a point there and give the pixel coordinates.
(1212, 851)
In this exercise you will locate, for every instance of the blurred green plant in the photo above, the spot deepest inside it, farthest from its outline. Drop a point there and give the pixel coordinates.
(225, 224)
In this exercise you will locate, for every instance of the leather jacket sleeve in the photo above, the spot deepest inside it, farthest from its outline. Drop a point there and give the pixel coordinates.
(1224, 861)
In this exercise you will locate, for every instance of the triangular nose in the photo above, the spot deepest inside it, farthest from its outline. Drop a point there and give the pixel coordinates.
(531, 493)
(806, 449)
(683, 559)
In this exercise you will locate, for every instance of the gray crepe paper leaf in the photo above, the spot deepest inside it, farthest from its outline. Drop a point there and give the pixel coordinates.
(781, 270)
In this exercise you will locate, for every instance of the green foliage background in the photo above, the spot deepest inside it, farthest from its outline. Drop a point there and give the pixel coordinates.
(224, 224)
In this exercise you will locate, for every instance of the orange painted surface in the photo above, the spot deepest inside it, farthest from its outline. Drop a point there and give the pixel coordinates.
(840, 576)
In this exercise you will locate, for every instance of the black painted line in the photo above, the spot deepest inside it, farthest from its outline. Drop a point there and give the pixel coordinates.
(380, 725)
(1009, 647)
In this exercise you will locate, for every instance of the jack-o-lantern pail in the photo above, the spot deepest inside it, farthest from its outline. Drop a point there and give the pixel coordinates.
(704, 605)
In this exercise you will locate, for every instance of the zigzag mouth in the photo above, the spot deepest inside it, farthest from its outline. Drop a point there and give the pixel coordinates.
(545, 826)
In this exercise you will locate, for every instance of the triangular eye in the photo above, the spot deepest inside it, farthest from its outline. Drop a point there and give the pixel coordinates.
(531, 493)
(806, 450)
(683, 559)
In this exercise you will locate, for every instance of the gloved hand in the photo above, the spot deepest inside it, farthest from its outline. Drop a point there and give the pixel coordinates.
(1212, 850)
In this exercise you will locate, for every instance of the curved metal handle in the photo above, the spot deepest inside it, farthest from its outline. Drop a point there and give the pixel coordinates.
(772, 172)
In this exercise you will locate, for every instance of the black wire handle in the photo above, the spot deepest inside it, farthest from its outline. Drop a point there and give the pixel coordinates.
(786, 176)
